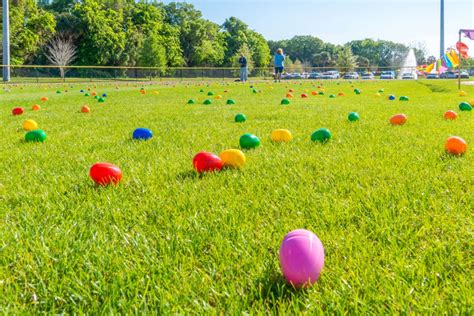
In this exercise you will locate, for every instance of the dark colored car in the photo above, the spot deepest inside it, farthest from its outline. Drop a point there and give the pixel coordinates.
(432, 76)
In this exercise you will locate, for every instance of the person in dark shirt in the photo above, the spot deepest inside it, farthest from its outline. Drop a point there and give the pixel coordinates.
(243, 68)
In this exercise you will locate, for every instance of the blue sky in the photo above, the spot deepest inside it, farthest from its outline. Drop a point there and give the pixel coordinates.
(339, 21)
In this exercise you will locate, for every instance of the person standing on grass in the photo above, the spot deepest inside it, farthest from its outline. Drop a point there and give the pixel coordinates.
(279, 64)
(243, 68)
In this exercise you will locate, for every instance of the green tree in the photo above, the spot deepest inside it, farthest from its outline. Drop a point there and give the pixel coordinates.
(201, 41)
(30, 28)
(101, 38)
(346, 61)
(153, 53)
(304, 47)
(237, 34)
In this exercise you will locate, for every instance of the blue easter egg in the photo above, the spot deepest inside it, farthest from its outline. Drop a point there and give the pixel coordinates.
(82, 91)
(104, 95)
(391, 97)
(142, 134)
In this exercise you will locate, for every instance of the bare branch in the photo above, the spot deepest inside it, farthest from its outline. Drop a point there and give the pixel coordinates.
(61, 52)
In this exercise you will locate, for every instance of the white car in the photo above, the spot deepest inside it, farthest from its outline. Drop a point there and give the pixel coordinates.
(408, 76)
(368, 76)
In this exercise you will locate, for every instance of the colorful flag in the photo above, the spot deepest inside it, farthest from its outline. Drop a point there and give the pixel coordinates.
(451, 59)
(463, 49)
(429, 68)
(468, 33)
(447, 62)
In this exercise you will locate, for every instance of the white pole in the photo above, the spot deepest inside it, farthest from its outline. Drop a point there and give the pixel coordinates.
(6, 42)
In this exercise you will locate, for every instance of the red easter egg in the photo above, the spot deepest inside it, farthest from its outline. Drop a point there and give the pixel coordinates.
(104, 173)
(450, 115)
(85, 109)
(398, 119)
(304, 95)
(207, 162)
(18, 111)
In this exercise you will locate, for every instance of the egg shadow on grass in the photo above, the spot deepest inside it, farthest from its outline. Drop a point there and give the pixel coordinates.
(188, 175)
(272, 289)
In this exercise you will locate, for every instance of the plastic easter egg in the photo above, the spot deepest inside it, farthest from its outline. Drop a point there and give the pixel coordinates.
(291, 90)
(142, 134)
(207, 162)
(314, 93)
(217, 97)
(301, 257)
(281, 135)
(289, 95)
(341, 94)
(44, 99)
(321, 93)
(332, 96)
(85, 109)
(304, 95)
(35, 136)
(82, 91)
(36, 107)
(391, 97)
(462, 93)
(104, 173)
(104, 95)
(398, 119)
(18, 111)
(87, 95)
(255, 91)
(455, 145)
(210, 93)
(100, 99)
(249, 141)
(94, 93)
(30, 125)
(191, 101)
(285, 102)
(381, 90)
(239, 118)
(464, 106)
(58, 92)
(230, 102)
(322, 135)
(403, 98)
(233, 158)
(207, 102)
(471, 102)
(357, 91)
(450, 115)
(353, 116)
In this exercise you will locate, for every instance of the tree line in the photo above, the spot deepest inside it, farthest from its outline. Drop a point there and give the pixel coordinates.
(151, 33)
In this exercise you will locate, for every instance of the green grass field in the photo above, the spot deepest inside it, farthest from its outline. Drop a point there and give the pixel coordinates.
(393, 211)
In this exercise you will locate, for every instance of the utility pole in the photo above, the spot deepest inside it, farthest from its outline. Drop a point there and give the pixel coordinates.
(441, 35)
(6, 41)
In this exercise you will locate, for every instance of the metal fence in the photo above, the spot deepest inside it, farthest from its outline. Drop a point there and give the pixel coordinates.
(47, 74)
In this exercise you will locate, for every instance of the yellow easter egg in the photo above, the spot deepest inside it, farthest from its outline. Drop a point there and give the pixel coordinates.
(471, 102)
(30, 125)
(462, 93)
(281, 135)
(217, 97)
(232, 158)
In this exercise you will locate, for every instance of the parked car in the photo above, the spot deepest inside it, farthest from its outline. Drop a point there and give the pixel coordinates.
(471, 72)
(454, 75)
(314, 75)
(331, 75)
(368, 76)
(432, 76)
(408, 76)
(387, 75)
(351, 75)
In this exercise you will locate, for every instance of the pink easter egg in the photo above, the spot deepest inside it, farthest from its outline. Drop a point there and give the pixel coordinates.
(301, 257)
